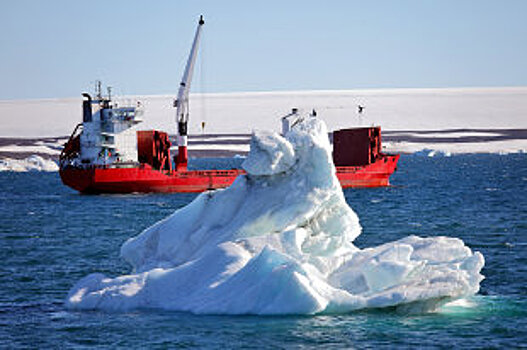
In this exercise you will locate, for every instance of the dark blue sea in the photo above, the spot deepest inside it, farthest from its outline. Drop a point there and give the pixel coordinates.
(50, 237)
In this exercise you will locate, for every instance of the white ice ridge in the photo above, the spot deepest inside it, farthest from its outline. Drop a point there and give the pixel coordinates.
(279, 241)
(31, 163)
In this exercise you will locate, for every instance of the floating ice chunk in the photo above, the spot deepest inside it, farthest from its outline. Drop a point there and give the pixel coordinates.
(440, 153)
(433, 153)
(31, 163)
(279, 241)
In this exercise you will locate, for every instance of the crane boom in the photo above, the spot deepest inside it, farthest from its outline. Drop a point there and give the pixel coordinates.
(181, 103)
(184, 86)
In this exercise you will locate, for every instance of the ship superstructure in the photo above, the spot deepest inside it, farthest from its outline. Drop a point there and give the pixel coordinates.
(108, 134)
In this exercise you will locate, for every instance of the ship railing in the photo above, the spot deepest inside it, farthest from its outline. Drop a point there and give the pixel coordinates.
(347, 169)
(126, 114)
(127, 103)
(213, 172)
(121, 165)
(108, 145)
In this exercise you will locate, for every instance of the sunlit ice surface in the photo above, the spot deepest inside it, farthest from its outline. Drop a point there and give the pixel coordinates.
(280, 241)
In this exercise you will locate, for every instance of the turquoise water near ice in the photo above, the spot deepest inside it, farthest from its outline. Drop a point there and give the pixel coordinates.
(50, 237)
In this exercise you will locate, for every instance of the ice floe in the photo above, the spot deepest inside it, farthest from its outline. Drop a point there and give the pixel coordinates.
(452, 148)
(279, 241)
(37, 148)
(432, 153)
(31, 163)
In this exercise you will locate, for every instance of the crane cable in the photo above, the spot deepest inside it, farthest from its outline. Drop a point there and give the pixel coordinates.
(203, 91)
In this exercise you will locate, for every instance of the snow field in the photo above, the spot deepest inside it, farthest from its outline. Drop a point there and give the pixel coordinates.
(243, 112)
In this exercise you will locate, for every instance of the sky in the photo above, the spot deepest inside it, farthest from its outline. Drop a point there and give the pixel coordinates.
(59, 48)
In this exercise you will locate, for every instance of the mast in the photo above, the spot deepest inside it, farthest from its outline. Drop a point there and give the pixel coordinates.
(181, 102)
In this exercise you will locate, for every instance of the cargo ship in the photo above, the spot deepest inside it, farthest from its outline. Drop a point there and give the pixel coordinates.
(106, 153)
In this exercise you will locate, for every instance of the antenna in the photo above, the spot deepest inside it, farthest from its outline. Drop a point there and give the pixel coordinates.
(109, 88)
(98, 89)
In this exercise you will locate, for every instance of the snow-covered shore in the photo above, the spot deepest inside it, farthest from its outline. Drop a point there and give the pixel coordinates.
(240, 113)
(448, 121)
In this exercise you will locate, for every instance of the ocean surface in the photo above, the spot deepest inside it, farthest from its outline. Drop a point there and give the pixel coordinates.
(50, 237)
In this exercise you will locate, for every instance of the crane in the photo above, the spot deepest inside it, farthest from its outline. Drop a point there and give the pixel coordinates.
(181, 103)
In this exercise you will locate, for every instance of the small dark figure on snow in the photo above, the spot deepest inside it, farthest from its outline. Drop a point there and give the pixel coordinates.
(361, 108)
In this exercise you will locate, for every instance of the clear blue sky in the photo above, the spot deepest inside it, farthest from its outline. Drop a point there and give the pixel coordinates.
(58, 48)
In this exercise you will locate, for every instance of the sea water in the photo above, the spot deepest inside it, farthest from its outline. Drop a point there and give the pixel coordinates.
(51, 237)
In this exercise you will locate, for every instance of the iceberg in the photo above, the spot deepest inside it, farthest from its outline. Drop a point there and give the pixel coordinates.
(280, 241)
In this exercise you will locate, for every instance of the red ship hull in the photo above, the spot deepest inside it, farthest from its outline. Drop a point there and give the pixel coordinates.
(376, 174)
(144, 179)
